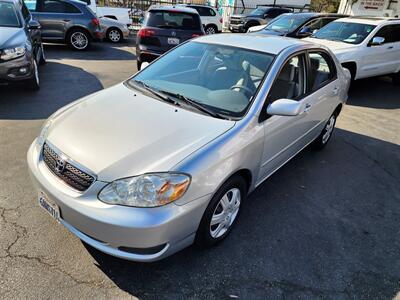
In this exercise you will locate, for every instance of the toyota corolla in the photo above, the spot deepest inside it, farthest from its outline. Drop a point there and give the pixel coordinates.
(167, 158)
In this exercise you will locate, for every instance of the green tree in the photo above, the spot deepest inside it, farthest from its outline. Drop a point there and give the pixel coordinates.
(325, 5)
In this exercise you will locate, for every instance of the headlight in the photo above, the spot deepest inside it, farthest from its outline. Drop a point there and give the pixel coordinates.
(148, 190)
(44, 132)
(12, 53)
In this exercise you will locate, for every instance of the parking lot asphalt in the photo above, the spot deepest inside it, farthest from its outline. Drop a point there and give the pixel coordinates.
(325, 226)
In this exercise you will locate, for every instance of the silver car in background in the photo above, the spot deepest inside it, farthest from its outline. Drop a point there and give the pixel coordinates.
(167, 158)
(114, 31)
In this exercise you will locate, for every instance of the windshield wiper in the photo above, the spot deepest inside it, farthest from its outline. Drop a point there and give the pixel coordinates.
(196, 105)
(156, 92)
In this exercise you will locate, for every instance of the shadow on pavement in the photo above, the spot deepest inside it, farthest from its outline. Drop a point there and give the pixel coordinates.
(317, 228)
(60, 85)
(97, 51)
(382, 93)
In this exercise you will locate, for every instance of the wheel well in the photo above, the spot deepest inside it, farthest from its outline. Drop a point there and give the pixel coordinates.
(116, 28)
(212, 25)
(111, 17)
(251, 23)
(77, 28)
(352, 67)
(246, 175)
(338, 109)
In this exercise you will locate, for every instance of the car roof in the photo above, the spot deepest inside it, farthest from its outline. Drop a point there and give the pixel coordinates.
(370, 20)
(175, 8)
(256, 42)
(316, 15)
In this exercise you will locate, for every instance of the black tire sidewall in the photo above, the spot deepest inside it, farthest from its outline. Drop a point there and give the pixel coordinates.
(32, 83)
(318, 144)
(203, 235)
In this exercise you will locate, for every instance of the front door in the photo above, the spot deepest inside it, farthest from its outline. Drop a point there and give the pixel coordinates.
(316, 87)
(385, 58)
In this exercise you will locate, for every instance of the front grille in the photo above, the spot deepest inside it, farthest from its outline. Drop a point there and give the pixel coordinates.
(235, 21)
(70, 174)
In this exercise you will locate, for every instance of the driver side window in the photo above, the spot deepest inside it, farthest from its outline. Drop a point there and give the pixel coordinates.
(289, 84)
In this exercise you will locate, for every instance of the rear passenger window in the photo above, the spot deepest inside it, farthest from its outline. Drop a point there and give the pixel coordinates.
(390, 33)
(55, 6)
(321, 70)
(290, 83)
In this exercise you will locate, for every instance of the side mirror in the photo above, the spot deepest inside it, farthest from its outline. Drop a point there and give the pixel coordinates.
(284, 107)
(376, 41)
(305, 31)
(33, 25)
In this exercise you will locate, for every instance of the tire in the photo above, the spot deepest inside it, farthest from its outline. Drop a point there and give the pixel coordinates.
(247, 26)
(114, 35)
(322, 140)
(233, 193)
(42, 57)
(211, 29)
(34, 82)
(78, 39)
(138, 65)
(396, 78)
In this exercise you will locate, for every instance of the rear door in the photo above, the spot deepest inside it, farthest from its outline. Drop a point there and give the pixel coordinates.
(54, 16)
(382, 59)
(172, 27)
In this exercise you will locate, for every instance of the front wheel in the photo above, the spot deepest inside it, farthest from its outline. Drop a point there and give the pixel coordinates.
(396, 78)
(210, 29)
(222, 212)
(138, 65)
(34, 82)
(322, 140)
(78, 39)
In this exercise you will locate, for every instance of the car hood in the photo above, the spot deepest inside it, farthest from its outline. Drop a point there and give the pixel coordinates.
(239, 16)
(120, 132)
(271, 32)
(11, 37)
(334, 46)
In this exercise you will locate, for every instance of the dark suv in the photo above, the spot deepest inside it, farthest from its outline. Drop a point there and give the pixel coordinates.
(261, 15)
(66, 21)
(164, 27)
(21, 49)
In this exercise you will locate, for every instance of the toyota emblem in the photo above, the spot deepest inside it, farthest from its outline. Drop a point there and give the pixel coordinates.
(60, 165)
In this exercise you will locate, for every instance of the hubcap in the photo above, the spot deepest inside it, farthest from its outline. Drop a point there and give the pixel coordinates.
(225, 213)
(79, 40)
(328, 129)
(210, 30)
(114, 36)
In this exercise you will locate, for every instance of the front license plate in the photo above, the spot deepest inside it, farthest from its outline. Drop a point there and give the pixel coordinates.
(173, 41)
(51, 208)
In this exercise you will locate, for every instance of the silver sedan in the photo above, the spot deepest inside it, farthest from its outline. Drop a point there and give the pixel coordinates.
(167, 158)
(114, 30)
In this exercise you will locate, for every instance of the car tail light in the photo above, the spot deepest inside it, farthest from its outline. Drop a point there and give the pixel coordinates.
(95, 22)
(145, 32)
(220, 20)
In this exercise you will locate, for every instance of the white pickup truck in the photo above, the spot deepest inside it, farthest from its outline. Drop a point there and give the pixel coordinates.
(120, 14)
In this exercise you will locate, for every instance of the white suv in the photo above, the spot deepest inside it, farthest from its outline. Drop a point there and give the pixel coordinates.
(209, 16)
(367, 46)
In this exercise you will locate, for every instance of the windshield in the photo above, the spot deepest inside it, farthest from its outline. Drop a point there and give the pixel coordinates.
(8, 15)
(173, 19)
(287, 23)
(222, 79)
(352, 33)
(259, 12)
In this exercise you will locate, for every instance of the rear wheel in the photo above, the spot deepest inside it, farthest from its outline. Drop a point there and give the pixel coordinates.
(114, 35)
(78, 39)
(211, 29)
(222, 212)
(322, 140)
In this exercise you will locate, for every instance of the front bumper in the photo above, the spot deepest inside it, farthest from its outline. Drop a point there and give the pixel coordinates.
(236, 28)
(10, 70)
(147, 54)
(139, 234)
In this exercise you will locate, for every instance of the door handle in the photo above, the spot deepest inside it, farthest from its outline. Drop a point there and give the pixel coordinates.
(390, 47)
(307, 108)
(335, 91)
(66, 20)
